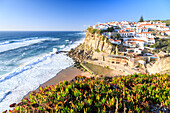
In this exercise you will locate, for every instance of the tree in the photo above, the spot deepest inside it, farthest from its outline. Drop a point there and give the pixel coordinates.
(141, 19)
(117, 36)
(110, 29)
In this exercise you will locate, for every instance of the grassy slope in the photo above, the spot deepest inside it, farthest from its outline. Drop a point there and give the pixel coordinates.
(167, 22)
(162, 44)
(139, 93)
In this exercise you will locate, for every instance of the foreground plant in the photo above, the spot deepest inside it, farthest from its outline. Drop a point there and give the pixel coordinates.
(136, 93)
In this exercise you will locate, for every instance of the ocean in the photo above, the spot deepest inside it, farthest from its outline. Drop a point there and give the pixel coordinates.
(28, 59)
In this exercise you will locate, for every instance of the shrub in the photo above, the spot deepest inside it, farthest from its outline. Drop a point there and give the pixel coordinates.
(137, 93)
(104, 37)
(107, 67)
(97, 50)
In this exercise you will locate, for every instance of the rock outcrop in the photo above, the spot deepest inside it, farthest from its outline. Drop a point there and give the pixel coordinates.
(160, 66)
(95, 46)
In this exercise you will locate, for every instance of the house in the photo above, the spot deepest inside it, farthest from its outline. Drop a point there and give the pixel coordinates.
(148, 25)
(167, 32)
(118, 42)
(127, 29)
(139, 43)
(123, 33)
(163, 33)
(144, 34)
(131, 33)
(141, 29)
(149, 41)
(162, 28)
(132, 44)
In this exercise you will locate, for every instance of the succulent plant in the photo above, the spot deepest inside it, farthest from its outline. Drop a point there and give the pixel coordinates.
(137, 92)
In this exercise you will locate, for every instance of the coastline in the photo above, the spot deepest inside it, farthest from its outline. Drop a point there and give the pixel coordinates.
(65, 74)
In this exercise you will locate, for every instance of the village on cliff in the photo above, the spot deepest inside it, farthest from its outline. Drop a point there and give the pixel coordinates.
(134, 34)
(129, 46)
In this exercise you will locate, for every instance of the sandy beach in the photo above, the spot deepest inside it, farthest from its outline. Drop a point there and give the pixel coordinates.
(66, 74)
(71, 72)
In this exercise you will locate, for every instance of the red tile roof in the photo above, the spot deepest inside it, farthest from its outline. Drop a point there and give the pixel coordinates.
(136, 40)
(146, 32)
(144, 28)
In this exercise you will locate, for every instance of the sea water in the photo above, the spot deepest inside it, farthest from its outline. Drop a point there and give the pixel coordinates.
(28, 59)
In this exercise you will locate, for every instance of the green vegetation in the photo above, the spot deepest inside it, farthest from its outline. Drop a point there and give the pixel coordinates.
(166, 21)
(107, 67)
(97, 50)
(117, 36)
(162, 44)
(138, 93)
(110, 29)
(104, 37)
(141, 19)
(79, 66)
(91, 30)
(99, 70)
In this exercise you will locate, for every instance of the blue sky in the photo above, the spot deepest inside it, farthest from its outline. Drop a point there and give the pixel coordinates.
(75, 15)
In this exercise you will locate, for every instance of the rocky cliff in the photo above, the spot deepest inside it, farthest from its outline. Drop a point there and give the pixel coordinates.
(95, 46)
(160, 66)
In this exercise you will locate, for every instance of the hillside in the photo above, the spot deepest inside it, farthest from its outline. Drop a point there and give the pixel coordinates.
(95, 47)
(137, 93)
(165, 21)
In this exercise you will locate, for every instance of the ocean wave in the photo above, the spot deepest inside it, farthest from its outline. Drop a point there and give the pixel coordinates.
(14, 44)
(26, 66)
(72, 45)
(30, 76)
(13, 41)
(61, 46)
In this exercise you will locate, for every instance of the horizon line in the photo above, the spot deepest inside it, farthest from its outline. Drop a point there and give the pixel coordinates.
(41, 30)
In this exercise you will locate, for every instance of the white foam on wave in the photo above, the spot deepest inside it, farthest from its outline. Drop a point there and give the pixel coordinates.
(21, 40)
(61, 46)
(75, 44)
(29, 77)
(21, 43)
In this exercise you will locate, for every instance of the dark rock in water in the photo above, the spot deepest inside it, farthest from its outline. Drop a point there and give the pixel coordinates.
(20, 104)
(12, 105)
(4, 111)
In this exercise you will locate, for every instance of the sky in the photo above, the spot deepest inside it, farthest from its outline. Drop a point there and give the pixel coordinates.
(76, 15)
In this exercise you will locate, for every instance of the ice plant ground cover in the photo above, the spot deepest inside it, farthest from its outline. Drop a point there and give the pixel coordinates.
(136, 93)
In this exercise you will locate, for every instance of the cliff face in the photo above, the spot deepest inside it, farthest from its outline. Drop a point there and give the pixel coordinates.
(160, 66)
(95, 46)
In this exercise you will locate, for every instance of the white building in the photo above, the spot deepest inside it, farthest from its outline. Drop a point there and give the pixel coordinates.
(115, 41)
(144, 34)
(141, 29)
(123, 33)
(162, 28)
